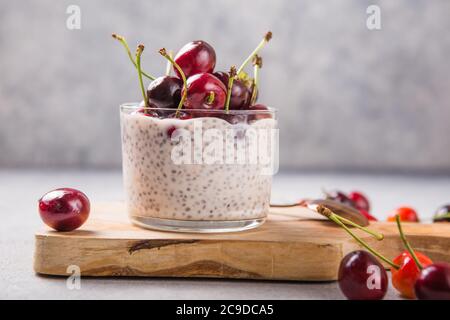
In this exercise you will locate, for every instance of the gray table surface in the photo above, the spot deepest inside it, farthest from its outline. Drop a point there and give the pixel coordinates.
(19, 191)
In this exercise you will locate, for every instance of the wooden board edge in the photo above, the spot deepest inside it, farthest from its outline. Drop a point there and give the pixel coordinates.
(254, 260)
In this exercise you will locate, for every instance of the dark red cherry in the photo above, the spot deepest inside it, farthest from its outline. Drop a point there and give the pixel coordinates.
(258, 116)
(164, 92)
(240, 94)
(195, 57)
(205, 91)
(434, 282)
(64, 209)
(360, 200)
(362, 277)
(442, 214)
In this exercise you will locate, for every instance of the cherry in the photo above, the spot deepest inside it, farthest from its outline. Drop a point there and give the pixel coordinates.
(170, 131)
(259, 116)
(205, 91)
(434, 282)
(355, 280)
(404, 278)
(362, 277)
(240, 94)
(442, 214)
(164, 92)
(406, 214)
(64, 209)
(407, 266)
(196, 57)
(360, 200)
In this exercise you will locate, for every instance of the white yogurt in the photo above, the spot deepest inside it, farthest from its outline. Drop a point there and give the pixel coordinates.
(156, 187)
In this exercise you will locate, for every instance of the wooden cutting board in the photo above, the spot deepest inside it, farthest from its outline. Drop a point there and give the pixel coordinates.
(291, 245)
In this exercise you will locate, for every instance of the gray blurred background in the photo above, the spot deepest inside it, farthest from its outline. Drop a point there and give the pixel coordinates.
(350, 99)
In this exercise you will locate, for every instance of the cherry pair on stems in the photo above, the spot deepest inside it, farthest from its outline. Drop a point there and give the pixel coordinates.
(413, 273)
(195, 86)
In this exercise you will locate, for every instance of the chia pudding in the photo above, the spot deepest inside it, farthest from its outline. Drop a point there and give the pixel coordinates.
(198, 194)
(199, 151)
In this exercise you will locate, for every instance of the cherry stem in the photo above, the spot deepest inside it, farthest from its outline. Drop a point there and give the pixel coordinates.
(327, 213)
(122, 40)
(231, 76)
(210, 98)
(378, 236)
(266, 39)
(257, 64)
(406, 243)
(163, 52)
(337, 219)
(169, 64)
(139, 51)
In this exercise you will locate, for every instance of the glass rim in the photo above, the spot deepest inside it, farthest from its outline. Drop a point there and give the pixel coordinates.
(136, 105)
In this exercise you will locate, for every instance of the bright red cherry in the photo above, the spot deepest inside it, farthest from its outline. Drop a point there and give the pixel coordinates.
(259, 116)
(164, 92)
(406, 214)
(362, 277)
(205, 91)
(240, 94)
(434, 282)
(404, 278)
(195, 57)
(360, 200)
(64, 209)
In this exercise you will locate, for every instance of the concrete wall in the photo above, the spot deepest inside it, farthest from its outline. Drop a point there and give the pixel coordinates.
(349, 98)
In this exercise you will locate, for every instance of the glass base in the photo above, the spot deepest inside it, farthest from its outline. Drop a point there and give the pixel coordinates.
(197, 226)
